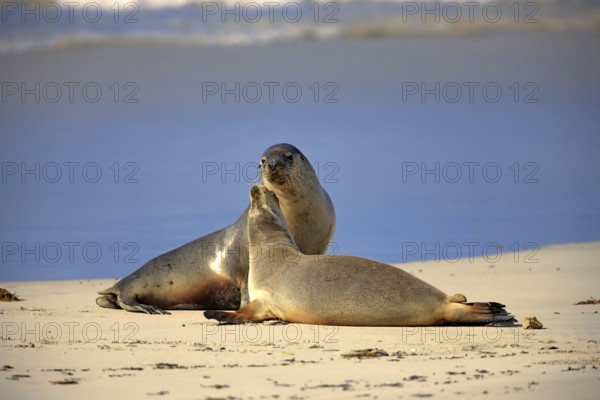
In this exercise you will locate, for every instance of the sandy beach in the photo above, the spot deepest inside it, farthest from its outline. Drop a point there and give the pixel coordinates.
(57, 343)
(149, 128)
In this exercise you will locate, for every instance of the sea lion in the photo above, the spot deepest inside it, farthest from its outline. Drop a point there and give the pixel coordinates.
(212, 272)
(287, 285)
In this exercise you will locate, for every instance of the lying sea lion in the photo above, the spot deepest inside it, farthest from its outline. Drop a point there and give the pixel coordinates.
(212, 272)
(287, 285)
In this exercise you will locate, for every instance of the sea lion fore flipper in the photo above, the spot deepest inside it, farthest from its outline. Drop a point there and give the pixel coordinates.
(255, 311)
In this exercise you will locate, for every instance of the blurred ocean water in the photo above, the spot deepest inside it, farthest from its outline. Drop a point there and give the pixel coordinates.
(433, 145)
(31, 25)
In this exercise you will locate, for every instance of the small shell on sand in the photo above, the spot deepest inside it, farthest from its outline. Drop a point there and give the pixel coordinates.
(532, 323)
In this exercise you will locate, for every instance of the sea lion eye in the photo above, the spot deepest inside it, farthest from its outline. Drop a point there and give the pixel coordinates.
(290, 157)
(262, 162)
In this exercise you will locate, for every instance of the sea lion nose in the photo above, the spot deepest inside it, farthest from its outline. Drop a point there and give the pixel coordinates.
(273, 164)
(254, 190)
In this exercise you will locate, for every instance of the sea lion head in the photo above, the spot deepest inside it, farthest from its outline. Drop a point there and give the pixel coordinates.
(284, 167)
(265, 219)
(263, 198)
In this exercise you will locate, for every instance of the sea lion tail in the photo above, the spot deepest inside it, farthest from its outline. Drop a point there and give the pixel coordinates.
(108, 298)
(108, 301)
(477, 313)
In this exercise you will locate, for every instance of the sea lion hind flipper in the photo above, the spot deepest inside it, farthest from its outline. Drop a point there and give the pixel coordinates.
(477, 313)
(457, 298)
(108, 301)
(255, 311)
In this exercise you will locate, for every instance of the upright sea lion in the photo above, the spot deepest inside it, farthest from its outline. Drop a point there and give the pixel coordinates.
(287, 285)
(212, 272)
